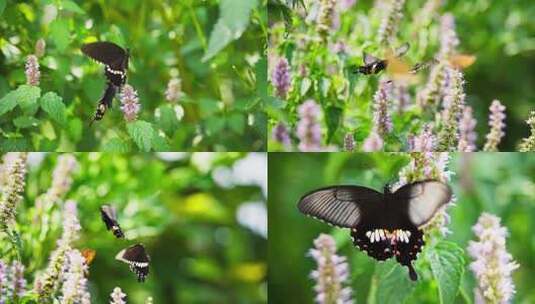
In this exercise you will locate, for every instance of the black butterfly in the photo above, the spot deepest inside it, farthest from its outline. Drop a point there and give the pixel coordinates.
(384, 225)
(138, 260)
(115, 60)
(109, 216)
(374, 65)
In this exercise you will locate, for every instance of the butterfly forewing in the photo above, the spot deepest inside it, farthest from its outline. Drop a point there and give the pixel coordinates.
(369, 59)
(109, 216)
(107, 53)
(138, 260)
(423, 200)
(341, 206)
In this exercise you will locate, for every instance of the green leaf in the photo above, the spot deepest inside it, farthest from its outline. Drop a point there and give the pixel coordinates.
(115, 144)
(305, 86)
(236, 123)
(393, 283)
(159, 143)
(333, 118)
(15, 144)
(167, 121)
(59, 31)
(25, 122)
(2, 6)
(27, 96)
(233, 20)
(142, 133)
(214, 124)
(207, 107)
(53, 105)
(8, 102)
(72, 7)
(447, 265)
(261, 78)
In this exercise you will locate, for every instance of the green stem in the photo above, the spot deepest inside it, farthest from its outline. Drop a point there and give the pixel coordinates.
(198, 28)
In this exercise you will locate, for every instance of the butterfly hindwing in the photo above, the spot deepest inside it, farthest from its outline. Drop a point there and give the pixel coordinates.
(109, 216)
(137, 259)
(341, 206)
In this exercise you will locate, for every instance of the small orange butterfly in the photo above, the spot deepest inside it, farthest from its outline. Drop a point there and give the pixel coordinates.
(89, 255)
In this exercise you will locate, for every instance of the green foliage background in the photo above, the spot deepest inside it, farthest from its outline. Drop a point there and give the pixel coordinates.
(212, 45)
(499, 33)
(199, 251)
(498, 183)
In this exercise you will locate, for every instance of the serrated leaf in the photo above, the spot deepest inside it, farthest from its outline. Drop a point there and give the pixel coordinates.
(115, 144)
(52, 104)
(25, 122)
(447, 265)
(159, 144)
(26, 96)
(59, 31)
(167, 121)
(141, 132)
(233, 20)
(394, 285)
(15, 144)
(72, 7)
(8, 102)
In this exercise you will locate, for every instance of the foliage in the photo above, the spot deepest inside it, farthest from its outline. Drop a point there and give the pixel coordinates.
(210, 47)
(505, 188)
(323, 65)
(191, 211)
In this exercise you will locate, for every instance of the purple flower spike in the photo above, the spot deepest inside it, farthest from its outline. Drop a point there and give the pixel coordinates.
(497, 125)
(281, 135)
(281, 78)
(308, 128)
(492, 265)
(32, 70)
(332, 272)
(130, 103)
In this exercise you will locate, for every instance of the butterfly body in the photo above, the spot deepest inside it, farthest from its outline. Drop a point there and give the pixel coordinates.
(384, 225)
(109, 216)
(115, 60)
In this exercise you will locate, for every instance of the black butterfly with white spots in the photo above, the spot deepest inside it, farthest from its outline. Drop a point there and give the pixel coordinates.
(109, 216)
(115, 60)
(137, 258)
(384, 225)
(374, 65)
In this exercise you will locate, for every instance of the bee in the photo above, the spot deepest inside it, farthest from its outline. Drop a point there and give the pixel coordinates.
(373, 65)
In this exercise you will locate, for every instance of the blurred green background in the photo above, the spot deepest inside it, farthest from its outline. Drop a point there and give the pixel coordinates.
(501, 34)
(498, 183)
(201, 216)
(220, 109)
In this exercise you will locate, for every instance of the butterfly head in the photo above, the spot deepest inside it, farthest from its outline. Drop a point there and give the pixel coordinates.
(387, 189)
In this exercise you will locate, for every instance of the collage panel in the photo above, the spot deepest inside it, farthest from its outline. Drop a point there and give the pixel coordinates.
(135, 75)
(449, 228)
(133, 228)
(395, 75)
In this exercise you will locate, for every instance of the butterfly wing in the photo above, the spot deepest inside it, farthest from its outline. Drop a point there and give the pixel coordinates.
(402, 50)
(138, 260)
(369, 59)
(109, 216)
(107, 53)
(342, 206)
(422, 200)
